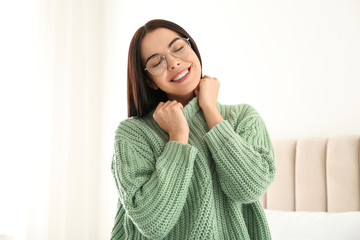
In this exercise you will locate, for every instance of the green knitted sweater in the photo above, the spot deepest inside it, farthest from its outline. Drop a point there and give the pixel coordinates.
(206, 189)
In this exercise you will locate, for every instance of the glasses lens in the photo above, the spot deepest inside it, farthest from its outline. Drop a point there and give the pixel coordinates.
(156, 65)
(180, 48)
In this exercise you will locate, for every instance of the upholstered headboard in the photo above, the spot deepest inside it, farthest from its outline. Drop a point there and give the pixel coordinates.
(316, 174)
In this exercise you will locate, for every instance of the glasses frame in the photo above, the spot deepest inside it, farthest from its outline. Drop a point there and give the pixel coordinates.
(163, 56)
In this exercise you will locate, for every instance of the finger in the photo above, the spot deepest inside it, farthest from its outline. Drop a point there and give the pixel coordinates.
(166, 104)
(196, 92)
(159, 105)
(179, 105)
(172, 103)
(169, 104)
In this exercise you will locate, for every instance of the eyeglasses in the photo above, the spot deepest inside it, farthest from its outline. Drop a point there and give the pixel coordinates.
(157, 64)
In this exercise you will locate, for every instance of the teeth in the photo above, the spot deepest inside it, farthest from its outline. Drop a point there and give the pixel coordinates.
(181, 75)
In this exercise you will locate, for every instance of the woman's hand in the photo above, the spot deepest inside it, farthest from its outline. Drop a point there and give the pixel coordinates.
(208, 91)
(171, 119)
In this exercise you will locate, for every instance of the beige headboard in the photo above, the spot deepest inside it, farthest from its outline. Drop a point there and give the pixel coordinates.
(316, 174)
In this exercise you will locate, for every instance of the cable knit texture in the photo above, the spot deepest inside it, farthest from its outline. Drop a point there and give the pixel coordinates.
(206, 189)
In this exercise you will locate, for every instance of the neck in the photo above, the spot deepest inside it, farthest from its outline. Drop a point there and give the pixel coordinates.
(184, 99)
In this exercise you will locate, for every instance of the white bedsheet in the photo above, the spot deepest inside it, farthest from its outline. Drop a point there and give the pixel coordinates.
(313, 225)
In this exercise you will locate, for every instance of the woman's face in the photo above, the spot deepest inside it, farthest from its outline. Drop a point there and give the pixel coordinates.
(156, 42)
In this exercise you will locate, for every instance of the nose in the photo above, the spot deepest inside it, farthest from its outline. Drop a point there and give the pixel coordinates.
(172, 61)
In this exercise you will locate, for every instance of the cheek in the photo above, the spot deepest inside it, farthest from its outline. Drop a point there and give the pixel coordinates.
(196, 60)
(198, 65)
(159, 80)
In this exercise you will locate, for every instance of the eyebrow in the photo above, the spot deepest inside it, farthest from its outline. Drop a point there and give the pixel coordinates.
(157, 53)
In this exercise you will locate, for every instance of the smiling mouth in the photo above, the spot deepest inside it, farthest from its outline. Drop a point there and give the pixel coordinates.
(182, 75)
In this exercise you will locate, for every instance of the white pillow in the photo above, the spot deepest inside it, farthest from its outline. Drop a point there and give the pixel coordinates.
(313, 225)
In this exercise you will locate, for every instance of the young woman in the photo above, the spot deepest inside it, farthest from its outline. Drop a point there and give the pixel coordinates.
(186, 166)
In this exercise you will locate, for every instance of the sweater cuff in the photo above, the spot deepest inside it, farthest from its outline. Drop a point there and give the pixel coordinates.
(174, 151)
(219, 135)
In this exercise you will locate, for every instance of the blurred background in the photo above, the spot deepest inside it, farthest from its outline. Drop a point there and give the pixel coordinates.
(63, 91)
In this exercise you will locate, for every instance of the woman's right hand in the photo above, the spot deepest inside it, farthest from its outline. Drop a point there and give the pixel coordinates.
(171, 119)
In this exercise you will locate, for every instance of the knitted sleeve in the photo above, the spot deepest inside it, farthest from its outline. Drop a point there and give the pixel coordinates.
(243, 153)
(152, 189)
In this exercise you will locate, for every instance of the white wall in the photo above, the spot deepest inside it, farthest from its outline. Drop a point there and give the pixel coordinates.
(297, 63)
(22, 118)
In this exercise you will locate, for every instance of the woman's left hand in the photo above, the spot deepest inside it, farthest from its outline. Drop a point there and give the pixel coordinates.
(208, 91)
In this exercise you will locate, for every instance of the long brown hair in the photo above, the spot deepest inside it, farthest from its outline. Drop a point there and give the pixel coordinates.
(142, 98)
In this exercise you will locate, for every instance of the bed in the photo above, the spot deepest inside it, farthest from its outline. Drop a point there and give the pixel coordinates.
(316, 192)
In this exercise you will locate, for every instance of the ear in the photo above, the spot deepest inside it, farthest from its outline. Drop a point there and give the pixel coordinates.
(151, 83)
